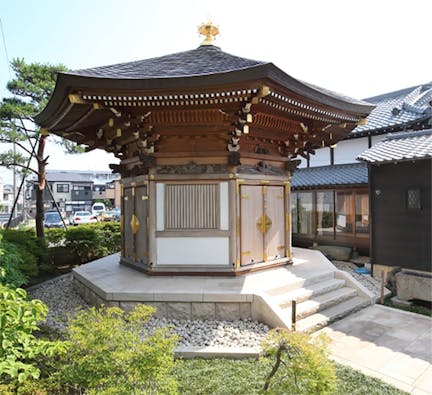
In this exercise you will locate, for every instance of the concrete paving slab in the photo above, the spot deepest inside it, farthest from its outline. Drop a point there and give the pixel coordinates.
(386, 343)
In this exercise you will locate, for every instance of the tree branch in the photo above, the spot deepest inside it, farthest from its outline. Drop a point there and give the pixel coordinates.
(18, 144)
(18, 165)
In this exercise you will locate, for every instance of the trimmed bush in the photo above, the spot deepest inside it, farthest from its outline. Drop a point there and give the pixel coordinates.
(85, 243)
(10, 262)
(28, 252)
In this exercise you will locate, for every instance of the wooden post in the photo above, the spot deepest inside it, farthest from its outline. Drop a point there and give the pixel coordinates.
(293, 315)
(382, 287)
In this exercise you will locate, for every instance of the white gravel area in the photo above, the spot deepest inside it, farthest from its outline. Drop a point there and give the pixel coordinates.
(62, 300)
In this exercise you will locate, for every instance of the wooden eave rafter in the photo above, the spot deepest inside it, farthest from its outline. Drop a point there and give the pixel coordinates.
(292, 121)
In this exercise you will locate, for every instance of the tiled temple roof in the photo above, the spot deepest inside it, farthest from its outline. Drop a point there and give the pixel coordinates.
(400, 147)
(326, 176)
(204, 60)
(399, 110)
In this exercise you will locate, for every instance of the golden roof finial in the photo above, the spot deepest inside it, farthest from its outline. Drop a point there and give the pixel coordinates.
(208, 30)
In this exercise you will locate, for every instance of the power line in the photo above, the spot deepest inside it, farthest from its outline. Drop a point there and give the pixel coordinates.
(5, 49)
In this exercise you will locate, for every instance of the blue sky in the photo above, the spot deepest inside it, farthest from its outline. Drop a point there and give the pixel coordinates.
(358, 48)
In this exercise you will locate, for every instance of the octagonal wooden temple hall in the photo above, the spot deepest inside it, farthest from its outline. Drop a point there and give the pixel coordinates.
(207, 142)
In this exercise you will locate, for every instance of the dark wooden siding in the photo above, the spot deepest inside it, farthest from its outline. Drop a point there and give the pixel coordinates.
(401, 236)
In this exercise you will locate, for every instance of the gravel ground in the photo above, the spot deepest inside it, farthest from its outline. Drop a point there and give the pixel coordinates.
(62, 301)
(366, 280)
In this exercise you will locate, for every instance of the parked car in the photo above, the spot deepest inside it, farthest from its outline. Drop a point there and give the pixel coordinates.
(112, 215)
(52, 219)
(83, 217)
(98, 208)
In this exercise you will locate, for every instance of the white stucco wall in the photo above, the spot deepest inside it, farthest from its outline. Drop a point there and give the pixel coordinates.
(160, 195)
(346, 151)
(208, 251)
(224, 206)
(321, 157)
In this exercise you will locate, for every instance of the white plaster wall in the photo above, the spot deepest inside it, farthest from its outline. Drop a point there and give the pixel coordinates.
(208, 251)
(321, 157)
(303, 162)
(224, 206)
(346, 151)
(160, 198)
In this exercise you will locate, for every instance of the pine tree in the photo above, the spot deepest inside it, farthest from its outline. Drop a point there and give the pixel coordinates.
(31, 89)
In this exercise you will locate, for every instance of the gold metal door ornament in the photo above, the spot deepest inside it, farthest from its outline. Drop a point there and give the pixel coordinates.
(264, 223)
(134, 224)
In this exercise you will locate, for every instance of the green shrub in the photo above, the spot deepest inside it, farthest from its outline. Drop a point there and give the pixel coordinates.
(19, 347)
(86, 242)
(298, 364)
(110, 235)
(55, 236)
(10, 262)
(31, 249)
(111, 353)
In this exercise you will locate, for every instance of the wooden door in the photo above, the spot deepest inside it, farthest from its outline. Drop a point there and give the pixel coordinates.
(128, 209)
(275, 210)
(141, 212)
(262, 223)
(251, 205)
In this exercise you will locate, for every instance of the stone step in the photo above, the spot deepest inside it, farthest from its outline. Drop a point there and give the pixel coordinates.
(324, 301)
(305, 293)
(319, 320)
(301, 283)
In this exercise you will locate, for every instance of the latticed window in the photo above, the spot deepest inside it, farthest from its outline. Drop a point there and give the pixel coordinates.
(192, 206)
(414, 199)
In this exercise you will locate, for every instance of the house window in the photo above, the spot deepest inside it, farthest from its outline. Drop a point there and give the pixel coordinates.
(192, 206)
(414, 199)
(63, 188)
(304, 209)
(324, 213)
(362, 213)
(344, 212)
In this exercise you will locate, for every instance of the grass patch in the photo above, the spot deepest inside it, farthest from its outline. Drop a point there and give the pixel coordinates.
(413, 308)
(246, 377)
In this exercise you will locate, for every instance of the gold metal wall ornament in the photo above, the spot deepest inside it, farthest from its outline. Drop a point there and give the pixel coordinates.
(264, 223)
(134, 223)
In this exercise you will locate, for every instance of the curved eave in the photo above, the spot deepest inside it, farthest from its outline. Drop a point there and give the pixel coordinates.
(67, 83)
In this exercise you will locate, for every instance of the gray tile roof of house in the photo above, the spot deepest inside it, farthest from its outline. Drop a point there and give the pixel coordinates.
(66, 176)
(397, 109)
(400, 147)
(345, 174)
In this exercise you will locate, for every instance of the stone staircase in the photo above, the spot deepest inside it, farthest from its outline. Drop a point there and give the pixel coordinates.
(320, 299)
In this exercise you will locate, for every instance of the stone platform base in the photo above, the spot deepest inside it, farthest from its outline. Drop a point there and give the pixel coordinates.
(175, 310)
(259, 296)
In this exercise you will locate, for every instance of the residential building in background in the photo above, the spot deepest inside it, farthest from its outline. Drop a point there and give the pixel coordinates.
(74, 190)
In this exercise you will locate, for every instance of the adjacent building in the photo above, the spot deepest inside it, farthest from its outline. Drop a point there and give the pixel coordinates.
(330, 191)
(400, 195)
